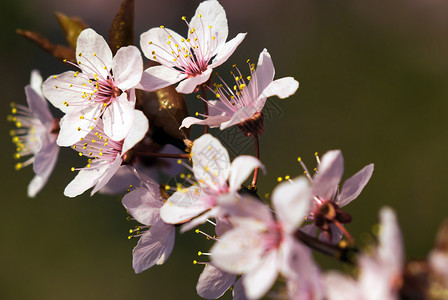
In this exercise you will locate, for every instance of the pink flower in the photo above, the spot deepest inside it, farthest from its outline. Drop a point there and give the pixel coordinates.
(105, 88)
(326, 212)
(261, 246)
(216, 178)
(380, 274)
(192, 59)
(246, 100)
(35, 135)
(156, 237)
(105, 155)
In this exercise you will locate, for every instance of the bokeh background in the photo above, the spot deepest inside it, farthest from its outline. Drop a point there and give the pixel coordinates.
(373, 83)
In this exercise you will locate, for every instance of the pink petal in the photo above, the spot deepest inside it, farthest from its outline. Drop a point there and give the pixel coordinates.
(241, 168)
(224, 52)
(340, 287)
(154, 42)
(127, 67)
(211, 163)
(45, 159)
(213, 282)
(291, 201)
(38, 106)
(187, 86)
(390, 248)
(241, 115)
(329, 173)
(154, 247)
(104, 179)
(211, 14)
(144, 205)
(139, 128)
(84, 180)
(212, 121)
(158, 77)
(238, 290)
(118, 118)
(264, 73)
(93, 53)
(354, 185)
(121, 181)
(199, 220)
(282, 88)
(246, 211)
(261, 278)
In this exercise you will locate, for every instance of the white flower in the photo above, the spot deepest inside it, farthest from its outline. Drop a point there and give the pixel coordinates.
(216, 178)
(105, 88)
(105, 155)
(192, 59)
(35, 135)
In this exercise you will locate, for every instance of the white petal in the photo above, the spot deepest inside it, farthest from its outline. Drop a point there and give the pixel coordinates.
(104, 179)
(354, 185)
(390, 248)
(183, 205)
(156, 42)
(241, 115)
(118, 117)
(282, 88)
(187, 86)
(213, 282)
(38, 106)
(36, 82)
(199, 220)
(93, 53)
(154, 247)
(291, 201)
(59, 89)
(158, 77)
(144, 205)
(340, 287)
(241, 168)
(76, 125)
(238, 251)
(211, 163)
(209, 13)
(127, 67)
(140, 126)
(261, 278)
(84, 180)
(224, 52)
(36, 185)
(329, 173)
(264, 73)
(212, 121)
(246, 211)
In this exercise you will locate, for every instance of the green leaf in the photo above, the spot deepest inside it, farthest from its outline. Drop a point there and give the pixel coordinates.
(121, 32)
(72, 27)
(58, 51)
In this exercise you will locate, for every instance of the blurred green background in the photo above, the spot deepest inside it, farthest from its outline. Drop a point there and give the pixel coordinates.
(373, 83)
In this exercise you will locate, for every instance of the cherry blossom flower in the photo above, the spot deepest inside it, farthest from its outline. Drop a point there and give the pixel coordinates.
(105, 155)
(104, 88)
(35, 135)
(243, 103)
(216, 178)
(326, 213)
(380, 274)
(156, 237)
(188, 60)
(261, 246)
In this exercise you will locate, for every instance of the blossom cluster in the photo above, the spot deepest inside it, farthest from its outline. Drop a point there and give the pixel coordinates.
(107, 117)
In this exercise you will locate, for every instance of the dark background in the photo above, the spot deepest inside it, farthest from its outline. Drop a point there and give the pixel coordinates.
(373, 83)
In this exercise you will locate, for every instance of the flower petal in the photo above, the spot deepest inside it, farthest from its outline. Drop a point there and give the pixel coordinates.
(118, 117)
(238, 290)
(282, 88)
(104, 179)
(93, 53)
(211, 163)
(224, 52)
(154, 247)
(340, 287)
(76, 125)
(188, 85)
(45, 159)
(38, 106)
(183, 205)
(261, 278)
(156, 43)
(212, 121)
(336, 234)
(329, 173)
(246, 211)
(127, 67)
(209, 13)
(241, 168)
(236, 253)
(36, 83)
(158, 77)
(354, 185)
(121, 181)
(139, 128)
(291, 201)
(144, 205)
(390, 249)
(213, 282)
(209, 214)
(241, 115)
(264, 73)
(84, 180)
(36, 185)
